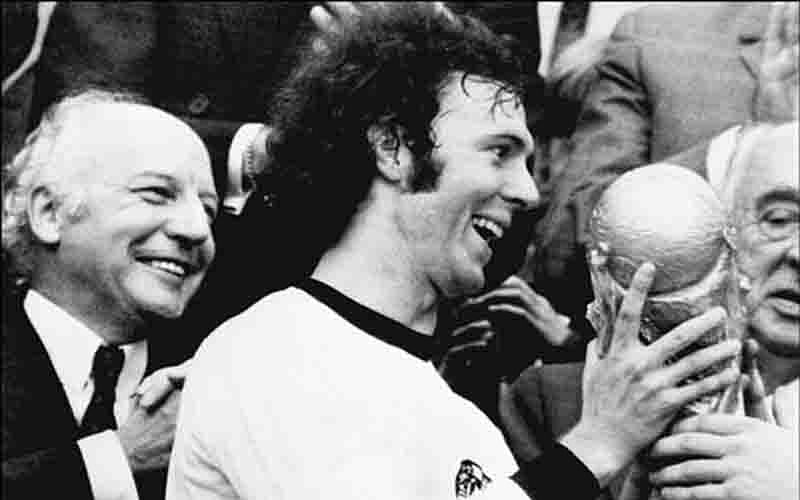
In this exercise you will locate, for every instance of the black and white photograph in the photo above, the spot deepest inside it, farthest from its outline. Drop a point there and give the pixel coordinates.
(400, 250)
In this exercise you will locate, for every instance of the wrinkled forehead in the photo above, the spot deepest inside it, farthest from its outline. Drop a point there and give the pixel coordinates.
(120, 139)
(481, 105)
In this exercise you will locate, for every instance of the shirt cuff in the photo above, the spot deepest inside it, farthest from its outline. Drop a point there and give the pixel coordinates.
(543, 477)
(107, 466)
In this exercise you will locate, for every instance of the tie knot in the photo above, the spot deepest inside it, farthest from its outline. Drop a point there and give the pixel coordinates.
(107, 366)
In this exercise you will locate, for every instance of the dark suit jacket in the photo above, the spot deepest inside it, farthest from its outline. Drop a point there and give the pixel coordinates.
(41, 458)
(672, 77)
(214, 64)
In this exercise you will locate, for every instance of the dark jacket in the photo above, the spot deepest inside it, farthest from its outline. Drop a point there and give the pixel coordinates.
(40, 455)
(214, 64)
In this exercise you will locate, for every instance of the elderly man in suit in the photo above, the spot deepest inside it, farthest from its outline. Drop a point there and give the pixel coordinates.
(672, 78)
(212, 64)
(106, 226)
(756, 177)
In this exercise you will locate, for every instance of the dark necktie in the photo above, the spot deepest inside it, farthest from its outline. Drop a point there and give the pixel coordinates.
(99, 415)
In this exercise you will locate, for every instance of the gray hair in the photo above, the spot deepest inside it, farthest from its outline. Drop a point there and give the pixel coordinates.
(748, 139)
(43, 161)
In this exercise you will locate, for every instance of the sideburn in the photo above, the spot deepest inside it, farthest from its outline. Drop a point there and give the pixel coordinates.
(426, 175)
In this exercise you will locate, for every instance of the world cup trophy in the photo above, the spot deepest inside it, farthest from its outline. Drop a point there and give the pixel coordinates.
(670, 216)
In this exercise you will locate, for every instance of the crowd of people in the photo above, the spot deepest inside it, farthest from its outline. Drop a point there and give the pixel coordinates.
(298, 250)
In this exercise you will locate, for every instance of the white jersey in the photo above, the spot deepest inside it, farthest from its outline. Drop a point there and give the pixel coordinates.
(290, 400)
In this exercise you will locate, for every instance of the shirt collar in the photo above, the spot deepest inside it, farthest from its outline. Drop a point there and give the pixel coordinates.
(787, 397)
(372, 322)
(71, 346)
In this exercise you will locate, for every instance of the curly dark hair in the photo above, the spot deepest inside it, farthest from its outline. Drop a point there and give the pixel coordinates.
(385, 68)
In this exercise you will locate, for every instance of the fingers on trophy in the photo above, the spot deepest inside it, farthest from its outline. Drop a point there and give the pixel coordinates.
(670, 216)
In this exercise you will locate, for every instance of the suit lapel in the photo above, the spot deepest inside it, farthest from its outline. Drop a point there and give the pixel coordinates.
(36, 410)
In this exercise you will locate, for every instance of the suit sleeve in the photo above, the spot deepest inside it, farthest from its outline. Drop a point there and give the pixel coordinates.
(107, 467)
(611, 137)
(40, 473)
(522, 417)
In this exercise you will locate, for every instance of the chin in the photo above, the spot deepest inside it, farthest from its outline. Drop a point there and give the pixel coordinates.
(157, 299)
(163, 307)
(466, 283)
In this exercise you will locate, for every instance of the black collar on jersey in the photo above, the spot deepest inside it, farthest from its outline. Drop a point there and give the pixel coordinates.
(372, 322)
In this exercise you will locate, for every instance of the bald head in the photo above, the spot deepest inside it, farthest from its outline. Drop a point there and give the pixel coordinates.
(768, 158)
(106, 133)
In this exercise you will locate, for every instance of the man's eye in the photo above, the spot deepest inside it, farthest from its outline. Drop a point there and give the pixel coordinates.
(780, 216)
(779, 222)
(500, 150)
(211, 212)
(155, 194)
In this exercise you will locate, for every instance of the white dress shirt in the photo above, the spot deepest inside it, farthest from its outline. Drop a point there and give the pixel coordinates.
(71, 347)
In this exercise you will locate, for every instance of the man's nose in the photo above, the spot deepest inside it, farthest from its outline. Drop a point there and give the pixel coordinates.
(189, 222)
(520, 188)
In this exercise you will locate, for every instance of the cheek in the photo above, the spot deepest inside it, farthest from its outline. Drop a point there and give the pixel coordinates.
(210, 249)
(755, 258)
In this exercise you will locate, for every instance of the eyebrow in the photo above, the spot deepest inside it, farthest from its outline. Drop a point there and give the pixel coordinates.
(153, 173)
(787, 194)
(172, 181)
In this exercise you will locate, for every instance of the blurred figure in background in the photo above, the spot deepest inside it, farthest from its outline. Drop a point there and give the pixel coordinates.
(671, 79)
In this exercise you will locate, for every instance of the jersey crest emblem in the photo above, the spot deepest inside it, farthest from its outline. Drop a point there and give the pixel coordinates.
(470, 479)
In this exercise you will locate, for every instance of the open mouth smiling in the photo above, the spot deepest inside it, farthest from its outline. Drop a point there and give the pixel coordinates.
(786, 301)
(178, 268)
(487, 229)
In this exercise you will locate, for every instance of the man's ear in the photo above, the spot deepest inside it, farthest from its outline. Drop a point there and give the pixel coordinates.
(44, 215)
(392, 156)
